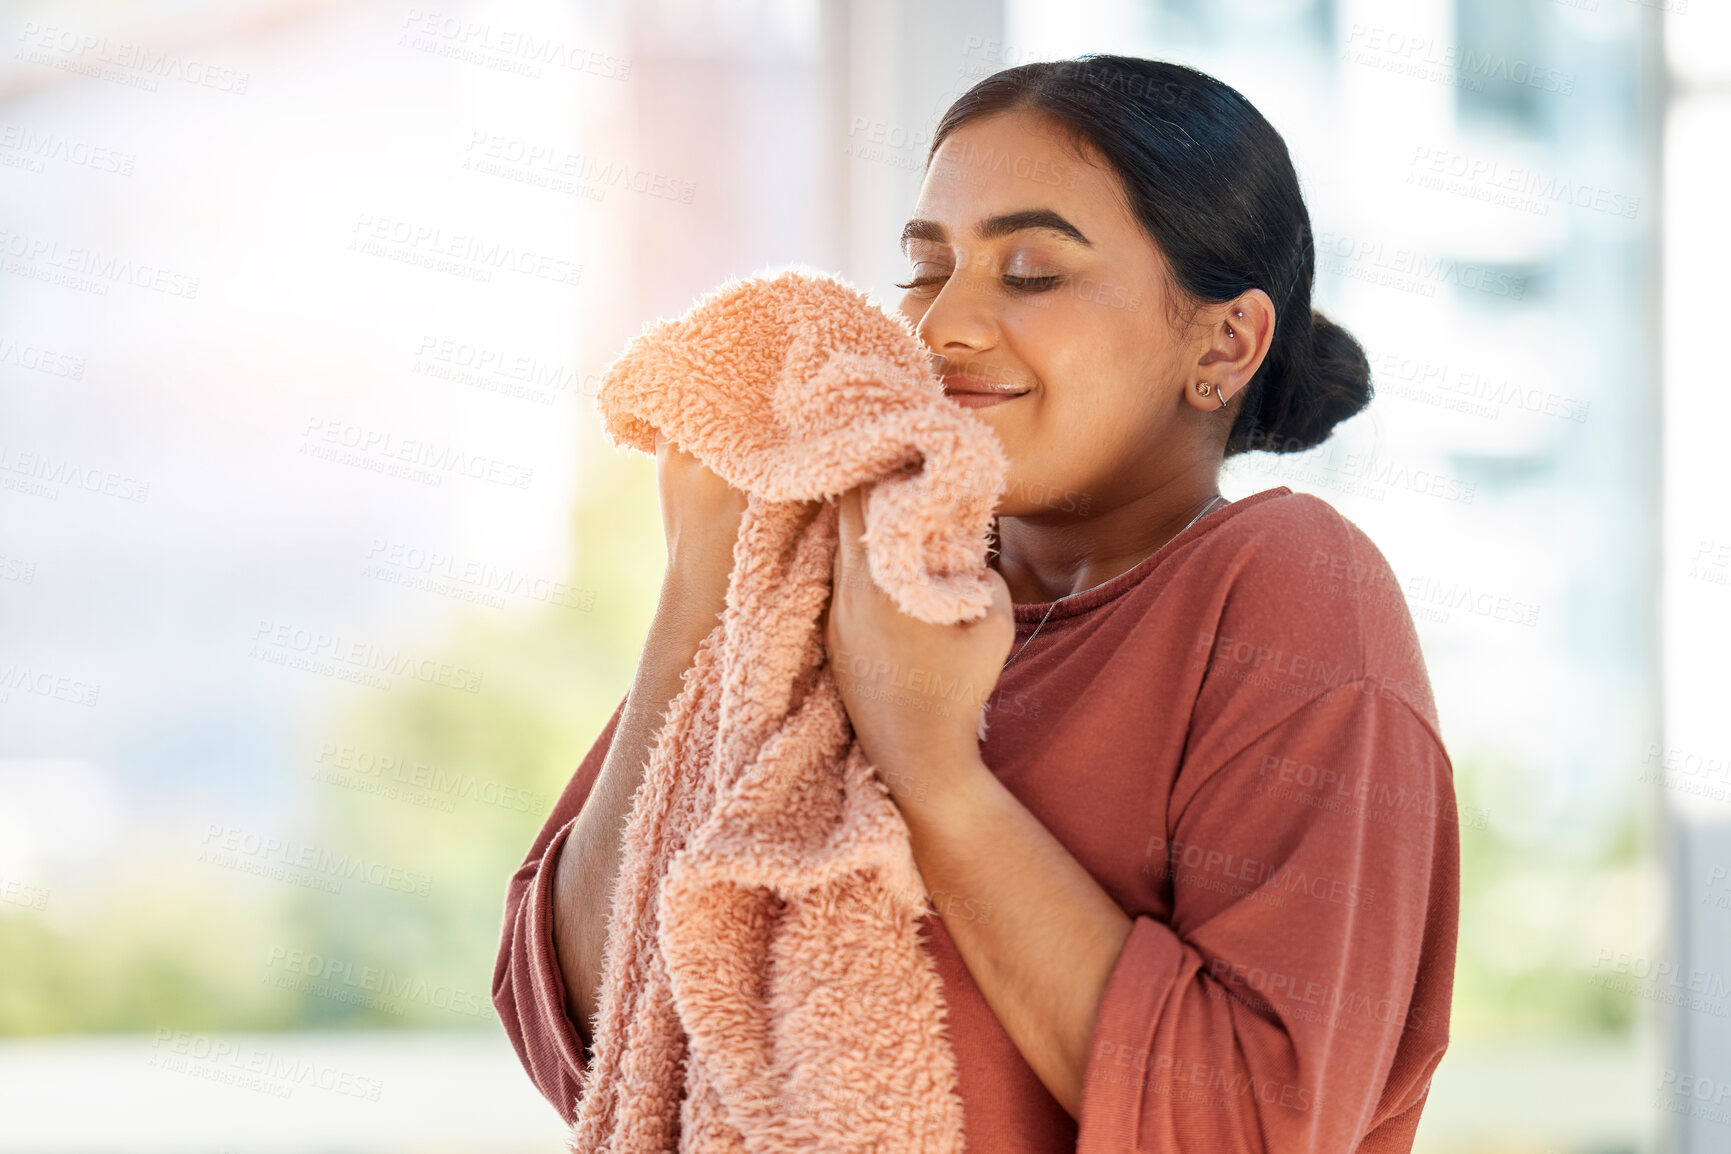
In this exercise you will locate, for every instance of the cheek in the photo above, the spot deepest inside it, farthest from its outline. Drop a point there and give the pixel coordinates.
(1097, 425)
(1099, 377)
(1099, 409)
(1070, 336)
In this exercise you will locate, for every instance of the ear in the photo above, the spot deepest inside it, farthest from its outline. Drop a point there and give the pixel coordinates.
(1237, 337)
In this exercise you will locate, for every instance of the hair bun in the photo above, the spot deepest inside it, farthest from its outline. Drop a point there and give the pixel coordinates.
(1326, 381)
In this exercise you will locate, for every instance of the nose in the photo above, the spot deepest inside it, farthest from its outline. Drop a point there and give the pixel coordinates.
(959, 322)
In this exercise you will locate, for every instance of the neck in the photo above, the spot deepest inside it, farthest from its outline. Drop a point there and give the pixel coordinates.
(1043, 557)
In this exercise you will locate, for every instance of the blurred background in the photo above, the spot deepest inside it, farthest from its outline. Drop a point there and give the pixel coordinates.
(318, 575)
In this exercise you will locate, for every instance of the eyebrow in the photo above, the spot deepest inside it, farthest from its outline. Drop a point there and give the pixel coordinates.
(995, 226)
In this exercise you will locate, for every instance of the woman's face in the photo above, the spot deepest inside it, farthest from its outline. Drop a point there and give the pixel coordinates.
(1029, 272)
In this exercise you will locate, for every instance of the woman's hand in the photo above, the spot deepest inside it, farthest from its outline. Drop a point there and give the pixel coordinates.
(914, 691)
(700, 514)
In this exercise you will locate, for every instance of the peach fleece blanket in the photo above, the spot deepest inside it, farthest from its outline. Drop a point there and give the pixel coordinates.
(764, 987)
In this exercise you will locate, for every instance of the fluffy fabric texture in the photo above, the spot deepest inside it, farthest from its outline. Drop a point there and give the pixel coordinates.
(764, 987)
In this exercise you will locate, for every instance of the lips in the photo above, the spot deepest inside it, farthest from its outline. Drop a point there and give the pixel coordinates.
(977, 391)
(982, 400)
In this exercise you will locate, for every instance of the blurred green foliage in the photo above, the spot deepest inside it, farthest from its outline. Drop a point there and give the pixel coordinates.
(1536, 915)
(179, 944)
(552, 680)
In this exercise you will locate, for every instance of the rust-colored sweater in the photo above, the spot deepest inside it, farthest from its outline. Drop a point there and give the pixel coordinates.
(1237, 738)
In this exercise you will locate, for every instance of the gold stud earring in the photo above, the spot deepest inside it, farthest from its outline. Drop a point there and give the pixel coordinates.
(1203, 388)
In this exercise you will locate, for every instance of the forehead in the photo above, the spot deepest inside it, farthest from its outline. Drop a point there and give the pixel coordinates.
(1014, 161)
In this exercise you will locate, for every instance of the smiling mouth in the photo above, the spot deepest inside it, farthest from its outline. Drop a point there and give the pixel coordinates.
(982, 398)
(963, 386)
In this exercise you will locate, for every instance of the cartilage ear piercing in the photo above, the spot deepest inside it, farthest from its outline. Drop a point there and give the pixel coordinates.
(1229, 331)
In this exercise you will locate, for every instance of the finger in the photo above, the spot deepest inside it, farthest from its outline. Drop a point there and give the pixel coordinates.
(849, 508)
(847, 528)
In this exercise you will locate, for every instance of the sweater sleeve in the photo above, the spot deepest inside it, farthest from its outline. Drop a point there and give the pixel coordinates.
(1298, 997)
(528, 987)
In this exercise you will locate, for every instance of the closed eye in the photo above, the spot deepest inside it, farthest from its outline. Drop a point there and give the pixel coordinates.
(1025, 284)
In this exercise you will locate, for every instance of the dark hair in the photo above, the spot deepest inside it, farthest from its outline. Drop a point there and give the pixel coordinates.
(1211, 182)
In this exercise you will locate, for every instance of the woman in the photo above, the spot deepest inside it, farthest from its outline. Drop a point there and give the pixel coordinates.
(1196, 889)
